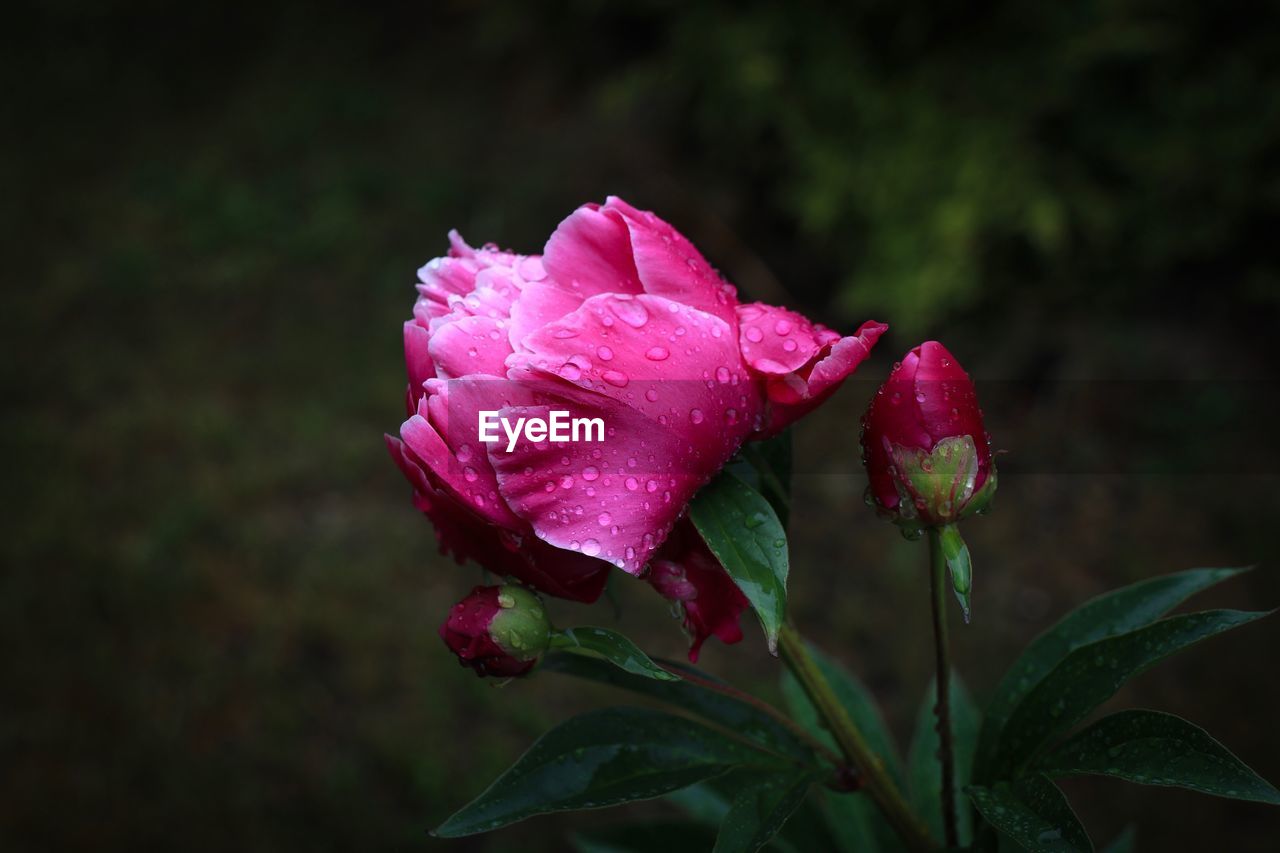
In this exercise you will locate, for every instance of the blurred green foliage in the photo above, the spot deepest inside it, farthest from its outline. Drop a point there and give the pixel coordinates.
(218, 607)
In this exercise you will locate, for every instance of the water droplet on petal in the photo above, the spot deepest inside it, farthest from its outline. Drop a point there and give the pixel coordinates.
(754, 334)
(696, 416)
(630, 312)
(616, 378)
(604, 518)
(657, 354)
(590, 473)
(604, 353)
(590, 547)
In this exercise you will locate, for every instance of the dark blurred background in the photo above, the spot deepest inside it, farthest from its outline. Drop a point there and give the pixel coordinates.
(218, 608)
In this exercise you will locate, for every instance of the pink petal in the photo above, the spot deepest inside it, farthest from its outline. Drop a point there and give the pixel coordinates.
(443, 434)
(470, 345)
(677, 365)
(775, 341)
(614, 500)
(688, 573)
(669, 265)
(539, 303)
(796, 394)
(445, 281)
(417, 358)
(506, 552)
(590, 253)
(667, 381)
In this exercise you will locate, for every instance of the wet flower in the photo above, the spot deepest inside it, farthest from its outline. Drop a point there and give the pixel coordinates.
(498, 630)
(622, 320)
(927, 453)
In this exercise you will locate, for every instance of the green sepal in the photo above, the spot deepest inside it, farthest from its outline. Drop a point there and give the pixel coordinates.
(520, 626)
(935, 486)
(958, 564)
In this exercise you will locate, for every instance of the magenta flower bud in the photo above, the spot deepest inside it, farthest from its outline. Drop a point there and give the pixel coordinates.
(927, 452)
(498, 631)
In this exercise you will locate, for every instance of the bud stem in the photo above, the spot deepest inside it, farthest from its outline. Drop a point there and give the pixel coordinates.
(877, 781)
(942, 707)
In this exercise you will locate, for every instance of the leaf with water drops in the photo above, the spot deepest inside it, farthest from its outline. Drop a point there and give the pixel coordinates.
(924, 771)
(1109, 614)
(692, 694)
(743, 531)
(1033, 813)
(761, 803)
(1091, 675)
(1154, 748)
(612, 647)
(603, 758)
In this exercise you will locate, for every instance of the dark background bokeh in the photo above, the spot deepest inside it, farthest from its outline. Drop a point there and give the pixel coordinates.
(218, 608)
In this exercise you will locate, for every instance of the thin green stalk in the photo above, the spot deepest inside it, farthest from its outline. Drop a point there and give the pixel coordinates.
(942, 707)
(764, 707)
(875, 777)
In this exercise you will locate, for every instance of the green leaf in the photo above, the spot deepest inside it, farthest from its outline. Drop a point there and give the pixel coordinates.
(1033, 813)
(689, 694)
(603, 758)
(1091, 675)
(762, 802)
(856, 699)
(857, 824)
(770, 471)
(807, 829)
(648, 837)
(742, 530)
(1107, 615)
(1154, 748)
(702, 802)
(610, 646)
(925, 771)
(959, 565)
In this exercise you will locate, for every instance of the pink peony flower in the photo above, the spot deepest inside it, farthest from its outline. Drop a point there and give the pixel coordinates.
(620, 319)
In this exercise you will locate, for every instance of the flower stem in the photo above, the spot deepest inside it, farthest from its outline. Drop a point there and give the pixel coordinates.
(764, 707)
(942, 707)
(876, 779)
